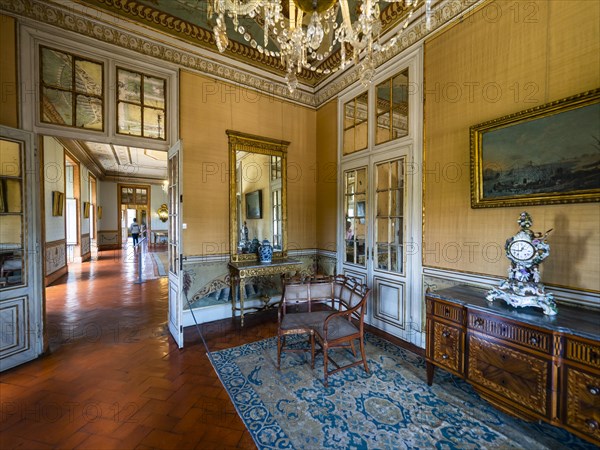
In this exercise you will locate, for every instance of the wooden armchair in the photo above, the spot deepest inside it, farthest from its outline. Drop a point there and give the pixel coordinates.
(342, 328)
(297, 313)
(331, 311)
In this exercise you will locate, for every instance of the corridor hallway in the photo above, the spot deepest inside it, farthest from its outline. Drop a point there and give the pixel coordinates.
(114, 378)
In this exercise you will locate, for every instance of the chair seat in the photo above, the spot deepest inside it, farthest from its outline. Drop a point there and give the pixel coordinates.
(337, 327)
(304, 320)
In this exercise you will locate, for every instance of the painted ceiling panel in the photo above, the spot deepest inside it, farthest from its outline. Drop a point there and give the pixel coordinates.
(129, 161)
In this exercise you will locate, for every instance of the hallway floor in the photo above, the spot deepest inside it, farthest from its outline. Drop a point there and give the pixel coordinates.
(114, 378)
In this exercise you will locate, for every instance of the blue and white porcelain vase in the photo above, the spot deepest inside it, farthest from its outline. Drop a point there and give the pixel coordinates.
(265, 252)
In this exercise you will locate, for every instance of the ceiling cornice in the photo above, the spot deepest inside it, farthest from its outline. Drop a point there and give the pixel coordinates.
(73, 17)
(120, 178)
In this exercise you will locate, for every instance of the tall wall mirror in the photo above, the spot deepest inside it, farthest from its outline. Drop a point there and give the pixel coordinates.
(257, 195)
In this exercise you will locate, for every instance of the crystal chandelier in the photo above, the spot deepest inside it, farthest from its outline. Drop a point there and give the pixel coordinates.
(306, 32)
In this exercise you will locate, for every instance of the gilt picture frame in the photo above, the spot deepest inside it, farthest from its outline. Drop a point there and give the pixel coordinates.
(86, 210)
(58, 200)
(549, 154)
(254, 205)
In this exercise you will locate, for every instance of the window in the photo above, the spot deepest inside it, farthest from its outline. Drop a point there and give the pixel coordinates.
(275, 168)
(392, 108)
(134, 196)
(356, 131)
(141, 109)
(72, 90)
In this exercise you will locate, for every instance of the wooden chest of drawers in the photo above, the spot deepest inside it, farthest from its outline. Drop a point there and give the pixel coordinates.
(526, 364)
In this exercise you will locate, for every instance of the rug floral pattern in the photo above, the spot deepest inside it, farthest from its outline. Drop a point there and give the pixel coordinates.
(392, 407)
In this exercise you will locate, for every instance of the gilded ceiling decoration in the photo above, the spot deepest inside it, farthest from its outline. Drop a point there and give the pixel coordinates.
(83, 20)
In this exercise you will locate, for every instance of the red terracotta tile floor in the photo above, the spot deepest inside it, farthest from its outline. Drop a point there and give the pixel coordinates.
(114, 378)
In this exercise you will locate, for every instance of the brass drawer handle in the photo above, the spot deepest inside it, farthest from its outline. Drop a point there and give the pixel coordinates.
(446, 333)
(592, 424)
(445, 356)
(594, 390)
(478, 322)
(533, 340)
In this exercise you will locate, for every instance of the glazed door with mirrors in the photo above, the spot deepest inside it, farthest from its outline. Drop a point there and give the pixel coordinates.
(377, 245)
(21, 301)
(174, 246)
(380, 195)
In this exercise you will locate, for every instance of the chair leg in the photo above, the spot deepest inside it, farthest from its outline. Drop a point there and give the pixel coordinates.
(362, 352)
(352, 347)
(312, 350)
(325, 360)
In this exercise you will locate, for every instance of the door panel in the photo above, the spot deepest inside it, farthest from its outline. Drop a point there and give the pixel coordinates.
(20, 264)
(376, 213)
(389, 305)
(175, 250)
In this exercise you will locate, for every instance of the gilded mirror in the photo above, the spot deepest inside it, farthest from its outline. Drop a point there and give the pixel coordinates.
(257, 195)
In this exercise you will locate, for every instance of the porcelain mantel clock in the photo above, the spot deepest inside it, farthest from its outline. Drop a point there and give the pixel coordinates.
(526, 250)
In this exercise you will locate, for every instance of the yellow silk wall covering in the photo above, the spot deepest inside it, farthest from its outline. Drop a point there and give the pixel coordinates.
(504, 58)
(326, 176)
(207, 109)
(8, 73)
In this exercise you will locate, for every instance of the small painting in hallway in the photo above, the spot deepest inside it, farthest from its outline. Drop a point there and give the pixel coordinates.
(544, 155)
(57, 203)
(86, 210)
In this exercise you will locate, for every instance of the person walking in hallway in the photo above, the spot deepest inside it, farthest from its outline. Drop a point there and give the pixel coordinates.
(135, 231)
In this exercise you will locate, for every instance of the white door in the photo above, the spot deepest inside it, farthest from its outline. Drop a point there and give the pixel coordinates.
(391, 256)
(378, 226)
(175, 250)
(20, 263)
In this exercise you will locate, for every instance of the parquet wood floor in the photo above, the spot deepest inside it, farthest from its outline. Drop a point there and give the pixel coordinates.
(113, 378)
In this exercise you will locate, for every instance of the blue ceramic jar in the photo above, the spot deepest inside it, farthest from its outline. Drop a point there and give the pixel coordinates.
(265, 252)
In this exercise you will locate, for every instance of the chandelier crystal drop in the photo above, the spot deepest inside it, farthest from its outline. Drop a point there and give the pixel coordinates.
(306, 32)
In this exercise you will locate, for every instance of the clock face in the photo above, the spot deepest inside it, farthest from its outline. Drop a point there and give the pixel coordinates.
(521, 250)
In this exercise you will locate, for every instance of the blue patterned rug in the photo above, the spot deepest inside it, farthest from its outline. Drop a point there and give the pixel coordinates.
(390, 408)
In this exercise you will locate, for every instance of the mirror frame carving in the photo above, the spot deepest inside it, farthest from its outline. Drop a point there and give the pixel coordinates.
(265, 146)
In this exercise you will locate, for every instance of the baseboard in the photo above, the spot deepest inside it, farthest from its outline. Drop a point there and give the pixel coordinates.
(216, 312)
(103, 247)
(49, 279)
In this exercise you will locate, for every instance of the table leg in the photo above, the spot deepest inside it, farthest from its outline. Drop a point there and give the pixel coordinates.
(234, 284)
(241, 285)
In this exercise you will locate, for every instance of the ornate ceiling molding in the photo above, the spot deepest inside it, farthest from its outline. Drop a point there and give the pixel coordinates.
(71, 19)
(442, 13)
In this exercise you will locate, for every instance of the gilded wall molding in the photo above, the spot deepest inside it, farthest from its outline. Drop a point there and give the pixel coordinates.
(68, 18)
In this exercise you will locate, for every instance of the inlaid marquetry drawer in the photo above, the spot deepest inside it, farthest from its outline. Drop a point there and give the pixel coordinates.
(447, 347)
(583, 352)
(519, 334)
(446, 311)
(517, 376)
(583, 402)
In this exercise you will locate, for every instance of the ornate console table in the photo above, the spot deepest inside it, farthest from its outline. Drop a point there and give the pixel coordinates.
(242, 270)
(525, 363)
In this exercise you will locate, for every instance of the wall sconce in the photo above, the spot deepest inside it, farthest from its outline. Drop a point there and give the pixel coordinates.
(163, 212)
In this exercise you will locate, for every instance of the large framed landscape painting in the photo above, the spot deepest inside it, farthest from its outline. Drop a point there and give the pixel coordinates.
(544, 155)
